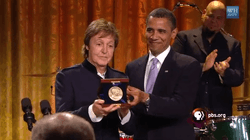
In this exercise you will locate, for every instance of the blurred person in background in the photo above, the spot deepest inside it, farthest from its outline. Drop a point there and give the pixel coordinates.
(219, 56)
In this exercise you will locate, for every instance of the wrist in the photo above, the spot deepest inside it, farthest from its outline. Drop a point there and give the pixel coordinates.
(147, 101)
(95, 111)
(144, 97)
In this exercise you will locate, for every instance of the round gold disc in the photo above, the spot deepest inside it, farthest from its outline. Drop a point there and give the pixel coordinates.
(115, 93)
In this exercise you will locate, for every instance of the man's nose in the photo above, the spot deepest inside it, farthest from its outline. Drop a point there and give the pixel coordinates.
(104, 48)
(213, 20)
(154, 35)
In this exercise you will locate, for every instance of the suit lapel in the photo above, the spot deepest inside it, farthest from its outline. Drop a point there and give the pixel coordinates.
(141, 67)
(198, 39)
(167, 69)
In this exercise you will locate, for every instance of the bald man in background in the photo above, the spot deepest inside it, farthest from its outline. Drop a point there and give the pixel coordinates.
(62, 126)
(220, 58)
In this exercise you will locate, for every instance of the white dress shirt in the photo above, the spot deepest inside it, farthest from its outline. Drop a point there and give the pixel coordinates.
(161, 57)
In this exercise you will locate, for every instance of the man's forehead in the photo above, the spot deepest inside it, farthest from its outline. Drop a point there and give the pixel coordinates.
(218, 12)
(158, 23)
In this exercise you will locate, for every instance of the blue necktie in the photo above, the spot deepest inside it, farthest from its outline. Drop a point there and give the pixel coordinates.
(152, 76)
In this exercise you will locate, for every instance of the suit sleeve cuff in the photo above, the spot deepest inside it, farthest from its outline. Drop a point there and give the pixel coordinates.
(92, 115)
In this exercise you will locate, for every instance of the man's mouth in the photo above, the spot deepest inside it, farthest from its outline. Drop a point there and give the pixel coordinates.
(154, 42)
(213, 27)
(103, 57)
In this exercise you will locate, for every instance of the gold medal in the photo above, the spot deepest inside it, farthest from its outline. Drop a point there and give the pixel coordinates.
(115, 93)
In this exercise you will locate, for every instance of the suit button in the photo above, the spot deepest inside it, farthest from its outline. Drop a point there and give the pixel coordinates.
(206, 92)
(206, 82)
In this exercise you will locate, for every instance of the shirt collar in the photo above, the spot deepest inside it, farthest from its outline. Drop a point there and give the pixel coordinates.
(92, 68)
(161, 57)
(102, 75)
(89, 66)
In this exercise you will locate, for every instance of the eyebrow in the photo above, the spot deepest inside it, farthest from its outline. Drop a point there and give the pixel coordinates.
(99, 40)
(159, 29)
(111, 42)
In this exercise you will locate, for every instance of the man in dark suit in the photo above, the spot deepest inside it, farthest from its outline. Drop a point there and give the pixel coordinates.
(163, 83)
(220, 58)
(77, 86)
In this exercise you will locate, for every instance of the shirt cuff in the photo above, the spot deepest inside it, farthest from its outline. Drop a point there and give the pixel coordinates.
(126, 118)
(92, 115)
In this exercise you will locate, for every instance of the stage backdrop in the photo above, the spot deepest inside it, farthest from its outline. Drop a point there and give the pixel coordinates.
(39, 37)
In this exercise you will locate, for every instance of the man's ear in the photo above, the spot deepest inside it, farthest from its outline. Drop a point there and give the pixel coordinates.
(174, 33)
(87, 47)
(203, 16)
(204, 11)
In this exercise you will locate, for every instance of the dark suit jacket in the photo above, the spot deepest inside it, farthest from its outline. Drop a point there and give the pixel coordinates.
(171, 100)
(76, 89)
(212, 93)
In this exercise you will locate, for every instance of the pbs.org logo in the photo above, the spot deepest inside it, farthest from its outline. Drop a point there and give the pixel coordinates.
(199, 115)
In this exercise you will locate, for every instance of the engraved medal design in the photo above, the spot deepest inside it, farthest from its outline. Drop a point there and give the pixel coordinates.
(115, 93)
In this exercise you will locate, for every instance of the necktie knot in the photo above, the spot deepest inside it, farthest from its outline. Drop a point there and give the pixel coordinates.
(154, 63)
(155, 60)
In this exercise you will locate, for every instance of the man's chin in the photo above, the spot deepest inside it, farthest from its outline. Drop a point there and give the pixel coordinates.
(153, 46)
(214, 30)
(209, 32)
(103, 64)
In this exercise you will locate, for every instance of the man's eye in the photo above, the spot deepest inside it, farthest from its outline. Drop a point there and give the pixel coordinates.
(149, 30)
(211, 16)
(111, 46)
(162, 31)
